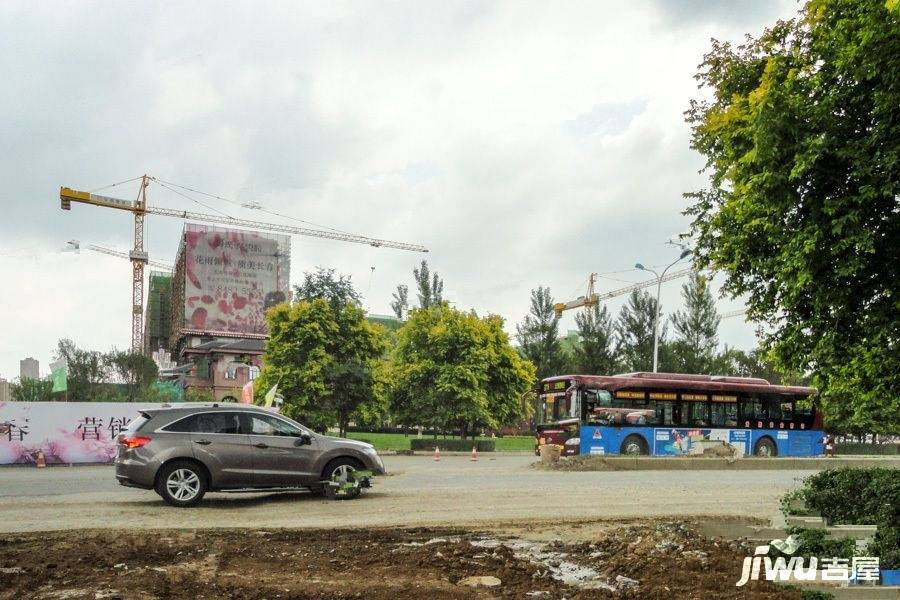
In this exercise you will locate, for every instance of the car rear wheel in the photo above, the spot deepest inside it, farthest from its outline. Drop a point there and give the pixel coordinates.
(181, 483)
(634, 445)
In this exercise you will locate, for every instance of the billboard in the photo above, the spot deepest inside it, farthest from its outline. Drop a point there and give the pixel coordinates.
(66, 432)
(229, 277)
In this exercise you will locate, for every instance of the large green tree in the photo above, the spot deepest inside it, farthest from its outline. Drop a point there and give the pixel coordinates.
(635, 331)
(429, 286)
(597, 351)
(454, 370)
(696, 344)
(323, 354)
(538, 335)
(137, 371)
(87, 371)
(801, 131)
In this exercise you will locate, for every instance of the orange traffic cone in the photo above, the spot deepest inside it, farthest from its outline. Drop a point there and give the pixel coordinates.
(437, 453)
(40, 461)
(474, 454)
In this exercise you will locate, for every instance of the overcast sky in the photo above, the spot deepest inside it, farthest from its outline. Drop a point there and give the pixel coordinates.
(524, 143)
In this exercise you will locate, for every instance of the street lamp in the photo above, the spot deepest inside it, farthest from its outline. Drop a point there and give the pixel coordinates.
(659, 277)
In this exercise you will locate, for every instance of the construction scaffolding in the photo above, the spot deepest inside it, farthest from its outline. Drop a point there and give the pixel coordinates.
(158, 321)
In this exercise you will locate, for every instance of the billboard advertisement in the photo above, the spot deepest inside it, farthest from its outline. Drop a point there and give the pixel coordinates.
(66, 432)
(231, 277)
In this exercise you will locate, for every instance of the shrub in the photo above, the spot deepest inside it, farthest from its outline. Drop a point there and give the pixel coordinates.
(451, 445)
(816, 542)
(856, 496)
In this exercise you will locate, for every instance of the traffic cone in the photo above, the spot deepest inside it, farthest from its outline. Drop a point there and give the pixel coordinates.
(40, 461)
(474, 454)
(437, 453)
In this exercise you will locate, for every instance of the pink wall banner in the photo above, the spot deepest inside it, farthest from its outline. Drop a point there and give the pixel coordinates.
(67, 432)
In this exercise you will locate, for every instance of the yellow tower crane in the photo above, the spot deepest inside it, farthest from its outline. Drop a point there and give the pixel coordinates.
(139, 257)
(592, 298)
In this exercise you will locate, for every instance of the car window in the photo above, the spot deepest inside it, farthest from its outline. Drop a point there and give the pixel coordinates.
(207, 423)
(265, 425)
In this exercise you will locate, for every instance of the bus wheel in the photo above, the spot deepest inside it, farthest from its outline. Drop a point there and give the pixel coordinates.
(634, 445)
(765, 448)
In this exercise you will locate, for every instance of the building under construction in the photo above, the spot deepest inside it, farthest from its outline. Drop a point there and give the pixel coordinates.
(223, 283)
(158, 320)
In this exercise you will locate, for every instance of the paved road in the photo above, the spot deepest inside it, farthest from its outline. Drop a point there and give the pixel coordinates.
(455, 491)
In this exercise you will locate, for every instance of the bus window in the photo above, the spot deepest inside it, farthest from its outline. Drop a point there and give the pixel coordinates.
(665, 412)
(787, 411)
(697, 413)
(723, 414)
(753, 407)
(596, 399)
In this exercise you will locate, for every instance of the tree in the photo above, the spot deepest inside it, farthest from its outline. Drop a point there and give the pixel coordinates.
(538, 335)
(31, 390)
(136, 371)
(430, 287)
(452, 369)
(802, 141)
(635, 330)
(337, 290)
(756, 363)
(597, 352)
(323, 354)
(199, 394)
(400, 304)
(87, 371)
(696, 328)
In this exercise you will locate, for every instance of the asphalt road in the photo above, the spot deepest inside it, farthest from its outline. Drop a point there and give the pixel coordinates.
(419, 491)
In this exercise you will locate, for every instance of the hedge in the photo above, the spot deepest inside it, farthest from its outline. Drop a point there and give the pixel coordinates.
(451, 445)
(886, 449)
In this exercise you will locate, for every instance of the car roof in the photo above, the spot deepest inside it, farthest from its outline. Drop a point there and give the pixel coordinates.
(201, 408)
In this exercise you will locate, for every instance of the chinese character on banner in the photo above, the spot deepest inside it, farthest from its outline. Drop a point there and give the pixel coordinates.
(835, 569)
(117, 425)
(866, 568)
(17, 432)
(90, 428)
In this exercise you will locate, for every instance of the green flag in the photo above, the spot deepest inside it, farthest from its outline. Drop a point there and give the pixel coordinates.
(58, 375)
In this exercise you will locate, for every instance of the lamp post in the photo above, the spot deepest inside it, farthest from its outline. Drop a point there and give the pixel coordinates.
(659, 278)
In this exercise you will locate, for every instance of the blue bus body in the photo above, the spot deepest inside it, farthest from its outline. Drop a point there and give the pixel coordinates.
(683, 441)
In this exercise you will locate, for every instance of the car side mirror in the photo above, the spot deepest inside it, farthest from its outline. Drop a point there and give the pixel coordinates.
(304, 440)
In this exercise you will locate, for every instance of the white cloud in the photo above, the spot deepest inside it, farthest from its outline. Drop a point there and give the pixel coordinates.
(523, 143)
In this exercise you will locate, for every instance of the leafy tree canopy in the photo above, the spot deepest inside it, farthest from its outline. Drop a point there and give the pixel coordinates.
(323, 355)
(635, 330)
(696, 328)
(430, 287)
(452, 369)
(335, 289)
(801, 132)
(597, 352)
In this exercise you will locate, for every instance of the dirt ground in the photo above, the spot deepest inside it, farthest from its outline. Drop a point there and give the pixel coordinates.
(603, 559)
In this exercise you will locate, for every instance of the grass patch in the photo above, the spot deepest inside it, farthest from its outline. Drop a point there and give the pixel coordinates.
(398, 441)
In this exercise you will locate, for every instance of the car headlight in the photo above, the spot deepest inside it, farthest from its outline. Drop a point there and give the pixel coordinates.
(572, 442)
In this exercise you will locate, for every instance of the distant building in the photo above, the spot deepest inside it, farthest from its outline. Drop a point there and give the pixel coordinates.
(4, 390)
(158, 319)
(29, 368)
(222, 365)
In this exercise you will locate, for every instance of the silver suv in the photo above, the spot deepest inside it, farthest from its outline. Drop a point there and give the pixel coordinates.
(184, 452)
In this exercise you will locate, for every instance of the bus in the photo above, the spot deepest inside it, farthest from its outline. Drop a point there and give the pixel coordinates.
(667, 414)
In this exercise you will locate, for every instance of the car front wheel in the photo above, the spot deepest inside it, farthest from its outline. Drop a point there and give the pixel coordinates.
(181, 484)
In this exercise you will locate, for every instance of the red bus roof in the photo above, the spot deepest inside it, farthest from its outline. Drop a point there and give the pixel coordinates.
(679, 381)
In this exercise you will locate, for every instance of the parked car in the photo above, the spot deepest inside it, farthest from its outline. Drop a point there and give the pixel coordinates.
(184, 452)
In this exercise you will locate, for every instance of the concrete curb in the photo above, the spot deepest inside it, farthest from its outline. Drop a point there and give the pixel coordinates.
(676, 463)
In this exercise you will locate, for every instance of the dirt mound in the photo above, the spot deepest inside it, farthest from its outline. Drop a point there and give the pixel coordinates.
(655, 560)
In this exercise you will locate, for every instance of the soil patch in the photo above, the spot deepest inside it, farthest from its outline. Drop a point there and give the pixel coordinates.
(649, 560)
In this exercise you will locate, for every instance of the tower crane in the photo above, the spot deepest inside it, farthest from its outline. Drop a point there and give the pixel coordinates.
(592, 298)
(139, 257)
(76, 245)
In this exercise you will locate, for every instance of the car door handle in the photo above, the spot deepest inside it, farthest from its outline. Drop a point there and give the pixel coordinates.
(261, 445)
(203, 442)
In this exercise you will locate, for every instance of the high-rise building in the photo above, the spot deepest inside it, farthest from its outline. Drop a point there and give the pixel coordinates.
(29, 368)
(4, 390)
